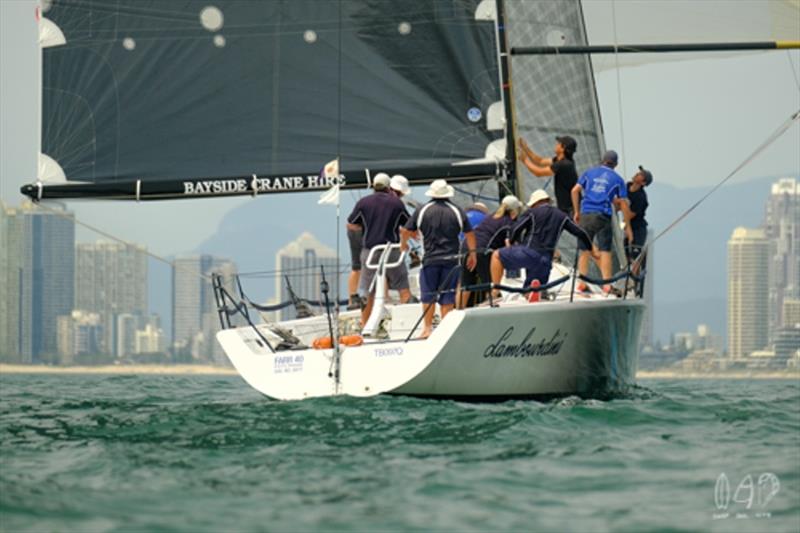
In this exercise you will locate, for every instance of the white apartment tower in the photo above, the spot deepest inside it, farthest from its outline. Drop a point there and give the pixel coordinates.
(300, 261)
(748, 292)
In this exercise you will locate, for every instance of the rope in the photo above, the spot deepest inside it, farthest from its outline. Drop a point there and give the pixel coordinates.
(771, 139)
(619, 88)
(107, 235)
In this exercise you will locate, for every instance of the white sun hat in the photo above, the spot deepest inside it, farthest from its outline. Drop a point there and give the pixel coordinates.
(400, 184)
(538, 196)
(440, 189)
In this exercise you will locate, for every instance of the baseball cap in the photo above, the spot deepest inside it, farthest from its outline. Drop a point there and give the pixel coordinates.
(381, 180)
(648, 176)
(569, 143)
(611, 157)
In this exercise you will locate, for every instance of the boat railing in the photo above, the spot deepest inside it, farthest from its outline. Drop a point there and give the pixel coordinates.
(229, 305)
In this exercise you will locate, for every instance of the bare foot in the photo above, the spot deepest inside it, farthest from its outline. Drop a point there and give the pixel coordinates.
(425, 334)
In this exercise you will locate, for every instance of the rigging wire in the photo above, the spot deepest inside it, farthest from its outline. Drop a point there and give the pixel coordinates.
(619, 88)
(772, 138)
(129, 244)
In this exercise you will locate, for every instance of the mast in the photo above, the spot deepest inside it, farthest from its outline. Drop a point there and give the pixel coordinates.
(510, 168)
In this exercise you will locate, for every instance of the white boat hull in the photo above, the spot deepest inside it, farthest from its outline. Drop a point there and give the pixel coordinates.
(588, 348)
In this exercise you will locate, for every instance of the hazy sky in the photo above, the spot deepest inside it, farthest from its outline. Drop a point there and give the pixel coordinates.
(691, 122)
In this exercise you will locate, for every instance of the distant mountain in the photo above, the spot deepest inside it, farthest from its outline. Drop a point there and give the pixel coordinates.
(690, 261)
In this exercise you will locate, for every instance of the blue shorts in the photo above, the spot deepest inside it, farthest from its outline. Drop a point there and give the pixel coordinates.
(536, 265)
(439, 277)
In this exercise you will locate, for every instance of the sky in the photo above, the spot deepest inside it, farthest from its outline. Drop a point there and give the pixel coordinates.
(691, 122)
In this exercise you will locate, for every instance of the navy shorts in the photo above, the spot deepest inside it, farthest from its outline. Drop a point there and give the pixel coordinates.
(536, 265)
(598, 226)
(355, 237)
(439, 277)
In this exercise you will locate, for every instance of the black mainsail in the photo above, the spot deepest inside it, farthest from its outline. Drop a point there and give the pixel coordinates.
(154, 99)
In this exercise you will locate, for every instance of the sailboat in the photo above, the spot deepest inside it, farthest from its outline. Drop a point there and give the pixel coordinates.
(154, 101)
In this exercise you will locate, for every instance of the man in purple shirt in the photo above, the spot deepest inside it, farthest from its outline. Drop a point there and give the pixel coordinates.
(380, 215)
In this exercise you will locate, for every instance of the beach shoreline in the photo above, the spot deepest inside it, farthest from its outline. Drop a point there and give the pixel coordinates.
(207, 370)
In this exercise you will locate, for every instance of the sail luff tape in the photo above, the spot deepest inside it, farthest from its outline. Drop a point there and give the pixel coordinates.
(138, 190)
(254, 185)
(369, 179)
(783, 45)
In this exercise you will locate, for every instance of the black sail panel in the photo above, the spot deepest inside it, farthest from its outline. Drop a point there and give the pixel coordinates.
(162, 92)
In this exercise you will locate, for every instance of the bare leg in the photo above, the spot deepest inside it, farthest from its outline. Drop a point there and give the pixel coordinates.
(352, 283)
(405, 295)
(446, 309)
(605, 266)
(496, 268)
(463, 299)
(428, 309)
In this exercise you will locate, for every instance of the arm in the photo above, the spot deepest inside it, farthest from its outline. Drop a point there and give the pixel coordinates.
(537, 170)
(406, 234)
(622, 205)
(354, 227)
(577, 190)
(536, 159)
(472, 257)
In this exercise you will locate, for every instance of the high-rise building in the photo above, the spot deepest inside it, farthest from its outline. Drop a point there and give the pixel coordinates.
(791, 313)
(79, 333)
(194, 309)
(111, 280)
(748, 297)
(782, 228)
(300, 262)
(126, 326)
(36, 281)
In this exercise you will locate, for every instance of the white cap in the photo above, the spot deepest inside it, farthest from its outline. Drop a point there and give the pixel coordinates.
(400, 184)
(538, 196)
(381, 180)
(440, 189)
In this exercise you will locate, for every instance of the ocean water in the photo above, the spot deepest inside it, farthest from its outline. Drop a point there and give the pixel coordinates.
(199, 453)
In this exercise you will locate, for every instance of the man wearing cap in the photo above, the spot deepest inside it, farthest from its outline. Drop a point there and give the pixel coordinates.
(602, 190)
(561, 166)
(440, 221)
(492, 234)
(638, 200)
(535, 235)
(380, 215)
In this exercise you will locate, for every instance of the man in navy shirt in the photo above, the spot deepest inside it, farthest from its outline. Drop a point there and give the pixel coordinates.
(380, 215)
(602, 190)
(638, 200)
(535, 235)
(440, 221)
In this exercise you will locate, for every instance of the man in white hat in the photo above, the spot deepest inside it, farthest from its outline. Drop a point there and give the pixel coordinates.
(535, 236)
(440, 221)
(380, 215)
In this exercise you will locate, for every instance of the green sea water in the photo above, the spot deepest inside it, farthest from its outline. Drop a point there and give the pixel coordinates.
(197, 453)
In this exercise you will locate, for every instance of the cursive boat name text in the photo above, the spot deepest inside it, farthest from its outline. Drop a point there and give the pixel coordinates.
(526, 347)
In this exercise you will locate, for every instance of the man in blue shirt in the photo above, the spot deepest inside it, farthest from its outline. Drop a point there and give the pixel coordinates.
(602, 190)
